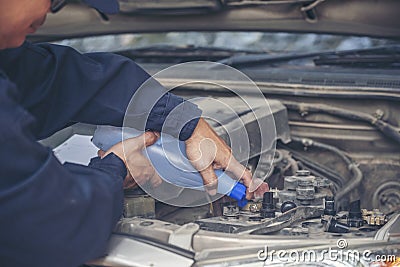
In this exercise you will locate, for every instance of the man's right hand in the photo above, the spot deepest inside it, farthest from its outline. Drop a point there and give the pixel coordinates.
(139, 167)
(207, 152)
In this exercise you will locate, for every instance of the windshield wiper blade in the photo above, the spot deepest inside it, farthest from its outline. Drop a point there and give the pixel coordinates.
(380, 57)
(245, 3)
(188, 52)
(365, 61)
(322, 56)
(240, 60)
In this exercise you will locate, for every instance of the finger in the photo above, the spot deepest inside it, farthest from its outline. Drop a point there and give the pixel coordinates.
(210, 180)
(239, 172)
(255, 184)
(242, 173)
(237, 169)
(149, 138)
(101, 153)
(143, 174)
(140, 179)
(252, 187)
(259, 192)
(140, 168)
(129, 182)
(155, 180)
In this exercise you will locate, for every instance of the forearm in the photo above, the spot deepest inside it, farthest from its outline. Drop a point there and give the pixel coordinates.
(93, 88)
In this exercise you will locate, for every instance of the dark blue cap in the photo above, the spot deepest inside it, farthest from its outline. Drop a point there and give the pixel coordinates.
(105, 6)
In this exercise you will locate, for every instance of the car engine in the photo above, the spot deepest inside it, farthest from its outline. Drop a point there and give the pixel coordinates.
(306, 198)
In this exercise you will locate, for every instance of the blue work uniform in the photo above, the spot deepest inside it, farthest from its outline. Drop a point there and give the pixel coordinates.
(54, 214)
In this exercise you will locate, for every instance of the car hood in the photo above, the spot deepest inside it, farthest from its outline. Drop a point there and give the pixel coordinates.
(377, 18)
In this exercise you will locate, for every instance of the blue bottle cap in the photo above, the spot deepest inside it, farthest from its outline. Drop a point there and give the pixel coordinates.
(239, 193)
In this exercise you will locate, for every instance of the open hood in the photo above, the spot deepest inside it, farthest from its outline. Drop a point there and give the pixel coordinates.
(377, 18)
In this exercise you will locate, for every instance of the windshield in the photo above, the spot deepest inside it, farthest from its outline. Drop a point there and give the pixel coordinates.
(255, 41)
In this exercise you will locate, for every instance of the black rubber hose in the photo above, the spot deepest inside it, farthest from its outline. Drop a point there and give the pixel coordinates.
(309, 142)
(353, 183)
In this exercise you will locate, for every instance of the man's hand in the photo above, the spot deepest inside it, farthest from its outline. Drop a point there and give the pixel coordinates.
(139, 167)
(207, 151)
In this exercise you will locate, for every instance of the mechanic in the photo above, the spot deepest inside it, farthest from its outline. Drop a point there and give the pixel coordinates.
(54, 214)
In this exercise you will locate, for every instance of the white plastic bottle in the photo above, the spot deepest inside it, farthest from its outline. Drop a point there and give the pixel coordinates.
(168, 156)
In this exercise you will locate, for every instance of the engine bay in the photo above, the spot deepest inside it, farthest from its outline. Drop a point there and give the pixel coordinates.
(330, 178)
(306, 198)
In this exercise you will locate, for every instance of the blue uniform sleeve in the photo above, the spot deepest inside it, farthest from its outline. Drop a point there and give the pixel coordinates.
(61, 86)
(51, 214)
